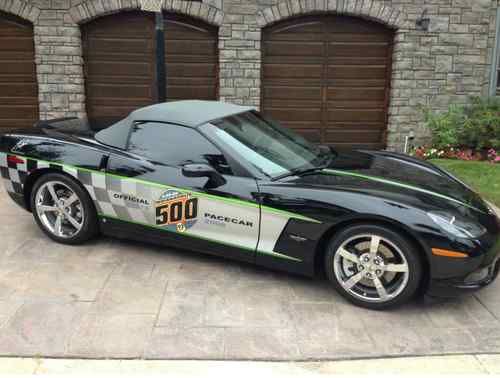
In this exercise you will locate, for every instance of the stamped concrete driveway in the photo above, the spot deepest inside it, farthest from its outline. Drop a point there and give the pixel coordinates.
(114, 299)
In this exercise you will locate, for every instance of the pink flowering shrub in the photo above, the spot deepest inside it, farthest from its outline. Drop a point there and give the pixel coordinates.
(466, 154)
(494, 156)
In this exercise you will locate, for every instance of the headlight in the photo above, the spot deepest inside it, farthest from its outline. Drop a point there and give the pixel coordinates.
(455, 226)
(494, 210)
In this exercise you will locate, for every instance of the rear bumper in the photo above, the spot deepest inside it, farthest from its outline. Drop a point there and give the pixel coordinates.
(453, 287)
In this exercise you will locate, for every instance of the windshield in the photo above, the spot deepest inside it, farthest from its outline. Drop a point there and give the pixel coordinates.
(270, 148)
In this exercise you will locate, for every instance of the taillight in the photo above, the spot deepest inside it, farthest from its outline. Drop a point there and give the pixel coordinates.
(12, 159)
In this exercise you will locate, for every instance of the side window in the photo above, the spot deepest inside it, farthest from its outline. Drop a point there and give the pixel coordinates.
(175, 145)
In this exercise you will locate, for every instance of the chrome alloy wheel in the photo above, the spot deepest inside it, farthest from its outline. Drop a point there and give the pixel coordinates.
(371, 268)
(59, 209)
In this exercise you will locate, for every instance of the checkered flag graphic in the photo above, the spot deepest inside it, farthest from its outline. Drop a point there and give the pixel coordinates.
(151, 5)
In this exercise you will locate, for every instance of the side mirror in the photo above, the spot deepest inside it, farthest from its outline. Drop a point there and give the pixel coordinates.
(324, 149)
(204, 170)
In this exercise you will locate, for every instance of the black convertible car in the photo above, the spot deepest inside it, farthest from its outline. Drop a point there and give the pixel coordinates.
(221, 179)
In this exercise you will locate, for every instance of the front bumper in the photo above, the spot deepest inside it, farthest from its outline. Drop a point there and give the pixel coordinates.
(481, 277)
(451, 277)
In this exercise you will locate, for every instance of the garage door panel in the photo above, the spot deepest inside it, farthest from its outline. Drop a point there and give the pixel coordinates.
(112, 70)
(293, 30)
(292, 60)
(119, 46)
(18, 84)
(343, 136)
(286, 83)
(294, 114)
(357, 50)
(16, 123)
(342, 94)
(358, 37)
(16, 44)
(192, 80)
(199, 48)
(289, 93)
(358, 104)
(18, 57)
(179, 28)
(298, 104)
(13, 67)
(131, 26)
(358, 61)
(353, 25)
(17, 79)
(7, 101)
(121, 57)
(356, 72)
(128, 91)
(18, 89)
(191, 70)
(361, 126)
(292, 71)
(297, 37)
(354, 83)
(187, 34)
(356, 115)
(181, 92)
(19, 111)
(274, 48)
(188, 59)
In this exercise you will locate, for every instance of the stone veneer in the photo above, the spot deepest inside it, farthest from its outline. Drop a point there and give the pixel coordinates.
(434, 68)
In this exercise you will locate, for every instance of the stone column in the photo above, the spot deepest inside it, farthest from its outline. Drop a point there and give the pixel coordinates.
(58, 54)
(240, 55)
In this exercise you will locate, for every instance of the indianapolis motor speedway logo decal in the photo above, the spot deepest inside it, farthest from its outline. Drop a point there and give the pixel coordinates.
(176, 211)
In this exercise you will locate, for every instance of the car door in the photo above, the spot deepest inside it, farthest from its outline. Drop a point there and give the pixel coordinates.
(148, 188)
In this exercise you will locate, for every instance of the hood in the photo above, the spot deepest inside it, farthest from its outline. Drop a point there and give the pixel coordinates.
(396, 176)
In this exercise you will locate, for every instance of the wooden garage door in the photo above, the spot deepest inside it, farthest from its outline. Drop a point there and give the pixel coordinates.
(126, 68)
(191, 59)
(18, 85)
(328, 78)
(120, 70)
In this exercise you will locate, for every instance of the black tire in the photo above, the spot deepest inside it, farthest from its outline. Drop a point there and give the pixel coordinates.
(413, 261)
(90, 226)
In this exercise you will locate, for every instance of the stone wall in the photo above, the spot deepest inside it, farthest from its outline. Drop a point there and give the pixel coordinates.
(432, 68)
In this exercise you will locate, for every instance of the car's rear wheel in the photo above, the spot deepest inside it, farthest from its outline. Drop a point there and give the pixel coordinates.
(63, 209)
(373, 266)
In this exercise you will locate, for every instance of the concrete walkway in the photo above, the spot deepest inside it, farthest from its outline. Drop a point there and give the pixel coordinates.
(459, 364)
(114, 299)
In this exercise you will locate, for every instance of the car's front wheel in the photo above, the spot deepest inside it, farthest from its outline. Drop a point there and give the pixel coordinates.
(63, 209)
(373, 266)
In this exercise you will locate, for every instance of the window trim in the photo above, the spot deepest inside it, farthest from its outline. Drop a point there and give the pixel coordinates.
(495, 59)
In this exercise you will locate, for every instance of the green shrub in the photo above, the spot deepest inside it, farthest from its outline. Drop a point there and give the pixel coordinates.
(445, 126)
(481, 128)
(476, 126)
